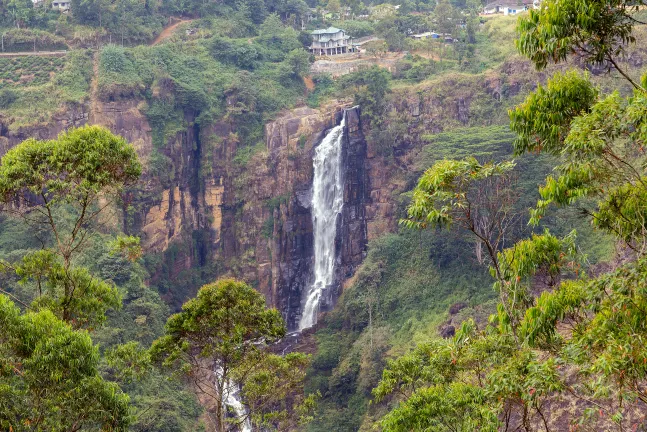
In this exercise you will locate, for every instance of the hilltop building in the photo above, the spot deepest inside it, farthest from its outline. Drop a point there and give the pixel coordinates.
(331, 41)
(510, 8)
(62, 5)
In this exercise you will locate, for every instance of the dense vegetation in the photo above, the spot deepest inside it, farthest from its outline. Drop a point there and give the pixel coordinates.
(71, 275)
(561, 330)
(419, 340)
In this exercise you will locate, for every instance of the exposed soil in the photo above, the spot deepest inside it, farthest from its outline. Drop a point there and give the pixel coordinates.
(310, 85)
(168, 31)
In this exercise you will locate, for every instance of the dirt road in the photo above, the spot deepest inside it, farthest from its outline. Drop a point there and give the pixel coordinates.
(168, 31)
(34, 53)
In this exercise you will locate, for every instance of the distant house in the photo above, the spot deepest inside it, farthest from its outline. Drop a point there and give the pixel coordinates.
(514, 9)
(331, 41)
(62, 5)
(421, 35)
(507, 8)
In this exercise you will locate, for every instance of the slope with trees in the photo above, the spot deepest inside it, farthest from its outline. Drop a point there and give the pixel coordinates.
(579, 340)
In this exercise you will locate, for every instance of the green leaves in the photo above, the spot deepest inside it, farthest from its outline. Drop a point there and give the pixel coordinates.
(72, 294)
(458, 407)
(223, 322)
(49, 378)
(57, 185)
(543, 121)
(443, 384)
(443, 189)
(273, 391)
(227, 328)
(597, 30)
(75, 167)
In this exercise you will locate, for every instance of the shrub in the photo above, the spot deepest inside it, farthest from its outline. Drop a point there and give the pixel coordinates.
(7, 97)
(118, 76)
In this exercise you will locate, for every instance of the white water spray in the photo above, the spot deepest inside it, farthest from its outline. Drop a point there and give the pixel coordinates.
(232, 400)
(327, 201)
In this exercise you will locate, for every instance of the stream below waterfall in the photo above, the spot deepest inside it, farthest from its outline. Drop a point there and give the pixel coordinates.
(232, 399)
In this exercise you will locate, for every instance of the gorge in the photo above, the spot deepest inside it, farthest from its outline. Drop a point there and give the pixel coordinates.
(261, 169)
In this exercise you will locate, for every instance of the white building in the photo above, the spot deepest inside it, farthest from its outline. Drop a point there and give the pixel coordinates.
(330, 41)
(509, 8)
(62, 5)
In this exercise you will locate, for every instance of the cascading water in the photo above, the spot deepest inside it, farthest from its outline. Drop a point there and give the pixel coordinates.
(232, 400)
(327, 201)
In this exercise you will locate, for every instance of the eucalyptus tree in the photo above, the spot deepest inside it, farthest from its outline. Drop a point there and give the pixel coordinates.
(49, 367)
(581, 339)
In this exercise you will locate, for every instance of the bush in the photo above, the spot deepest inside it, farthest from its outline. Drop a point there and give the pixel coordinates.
(239, 53)
(7, 97)
(24, 39)
(118, 76)
(74, 79)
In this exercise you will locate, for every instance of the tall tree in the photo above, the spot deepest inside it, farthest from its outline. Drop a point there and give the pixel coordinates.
(445, 17)
(334, 7)
(21, 11)
(220, 343)
(49, 377)
(61, 188)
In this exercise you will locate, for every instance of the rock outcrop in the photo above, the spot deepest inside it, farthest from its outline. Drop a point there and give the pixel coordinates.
(198, 206)
(211, 206)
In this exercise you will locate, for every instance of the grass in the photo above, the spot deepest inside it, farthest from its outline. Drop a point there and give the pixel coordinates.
(53, 83)
(29, 71)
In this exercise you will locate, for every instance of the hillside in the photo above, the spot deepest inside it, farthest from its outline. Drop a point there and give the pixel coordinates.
(225, 109)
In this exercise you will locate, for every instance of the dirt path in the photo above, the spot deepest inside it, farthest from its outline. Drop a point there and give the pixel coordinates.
(34, 53)
(310, 85)
(168, 31)
(94, 90)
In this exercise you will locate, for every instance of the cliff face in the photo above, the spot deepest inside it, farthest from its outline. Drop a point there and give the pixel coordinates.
(282, 186)
(208, 212)
(198, 205)
(209, 206)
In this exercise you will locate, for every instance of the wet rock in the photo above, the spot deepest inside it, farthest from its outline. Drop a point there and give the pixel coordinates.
(457, 307)
(447, 331)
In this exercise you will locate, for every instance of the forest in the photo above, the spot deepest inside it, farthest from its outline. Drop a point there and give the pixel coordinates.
(160, 238)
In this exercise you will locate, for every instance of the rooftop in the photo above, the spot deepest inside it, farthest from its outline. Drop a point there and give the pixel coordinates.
(329, 30)
(511, 4)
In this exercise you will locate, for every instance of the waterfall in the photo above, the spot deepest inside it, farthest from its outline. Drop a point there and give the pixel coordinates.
(232, 400)
(327, 201)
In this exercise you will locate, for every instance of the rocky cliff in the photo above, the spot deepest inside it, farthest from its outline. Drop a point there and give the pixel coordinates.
(205, 211)
(209, 205)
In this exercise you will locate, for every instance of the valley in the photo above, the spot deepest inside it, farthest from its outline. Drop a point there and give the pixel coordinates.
(295, 174)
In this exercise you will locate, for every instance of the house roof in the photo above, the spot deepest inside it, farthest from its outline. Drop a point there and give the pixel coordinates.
(511, 4)
(329, 30)
(425, 34)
